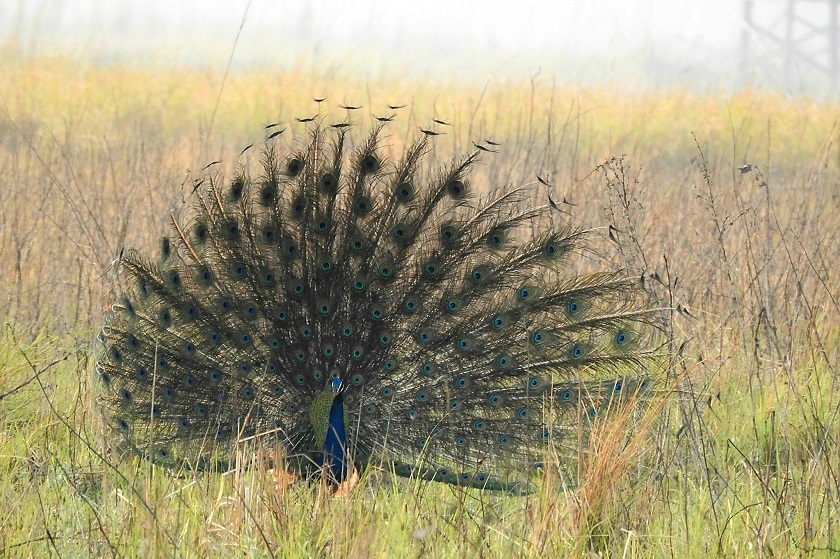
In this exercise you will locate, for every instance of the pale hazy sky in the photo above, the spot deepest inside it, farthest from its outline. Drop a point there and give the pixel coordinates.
(661, 41)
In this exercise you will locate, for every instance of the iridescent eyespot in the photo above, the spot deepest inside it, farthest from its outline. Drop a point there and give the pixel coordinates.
(399, 232)
(448, 233)
(294, 166)
(370, 163)
(477, 276)
(404, 192)
(362, 205)
(456, 189)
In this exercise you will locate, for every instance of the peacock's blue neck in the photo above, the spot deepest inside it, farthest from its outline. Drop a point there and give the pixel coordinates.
(335, 445)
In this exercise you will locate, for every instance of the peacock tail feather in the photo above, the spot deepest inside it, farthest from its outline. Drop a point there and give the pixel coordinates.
(355, 308)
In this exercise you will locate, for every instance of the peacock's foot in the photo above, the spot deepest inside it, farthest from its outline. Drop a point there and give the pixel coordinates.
(283, 480)
(346, 487)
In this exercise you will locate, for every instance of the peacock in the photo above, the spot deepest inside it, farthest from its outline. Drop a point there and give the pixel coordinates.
(353, 306)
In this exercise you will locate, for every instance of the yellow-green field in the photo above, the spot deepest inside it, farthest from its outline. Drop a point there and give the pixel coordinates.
(739, 457)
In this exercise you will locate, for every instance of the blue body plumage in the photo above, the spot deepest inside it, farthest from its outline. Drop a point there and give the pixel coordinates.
(335, 452)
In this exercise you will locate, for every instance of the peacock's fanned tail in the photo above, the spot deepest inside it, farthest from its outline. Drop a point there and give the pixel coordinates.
(465, 345)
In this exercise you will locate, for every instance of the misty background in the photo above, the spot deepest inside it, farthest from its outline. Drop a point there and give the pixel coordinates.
(700, 44)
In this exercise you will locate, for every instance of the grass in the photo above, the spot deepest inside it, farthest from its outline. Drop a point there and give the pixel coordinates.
(740, 460)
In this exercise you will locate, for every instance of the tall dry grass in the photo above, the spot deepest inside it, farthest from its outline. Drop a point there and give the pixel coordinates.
(738, 457)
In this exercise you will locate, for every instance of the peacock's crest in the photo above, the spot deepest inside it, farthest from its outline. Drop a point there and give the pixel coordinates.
(357, 308)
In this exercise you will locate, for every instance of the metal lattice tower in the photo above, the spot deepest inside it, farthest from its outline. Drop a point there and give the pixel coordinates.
(792, 37)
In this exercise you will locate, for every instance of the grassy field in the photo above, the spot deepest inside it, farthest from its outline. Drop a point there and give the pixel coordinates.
(740, 457)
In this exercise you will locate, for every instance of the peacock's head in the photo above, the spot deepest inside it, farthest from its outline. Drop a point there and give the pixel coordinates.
(337, 386)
